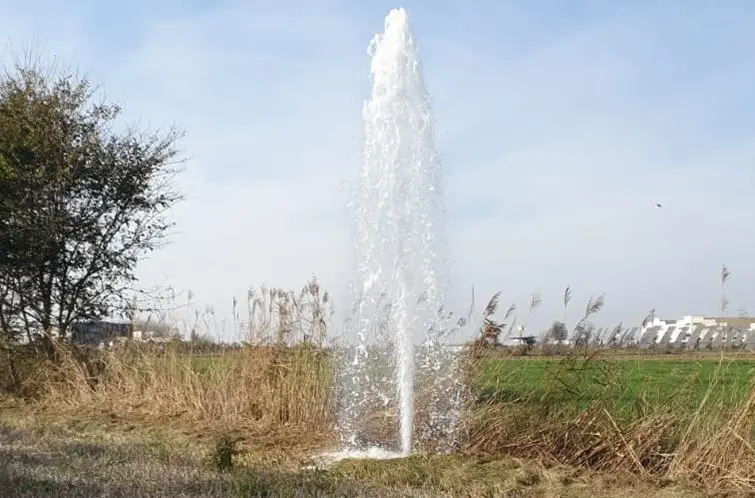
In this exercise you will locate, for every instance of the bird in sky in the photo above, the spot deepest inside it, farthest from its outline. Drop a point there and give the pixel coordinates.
(658, 205)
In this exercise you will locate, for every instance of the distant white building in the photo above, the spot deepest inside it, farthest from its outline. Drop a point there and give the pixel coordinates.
(686, 325)
(149, 336)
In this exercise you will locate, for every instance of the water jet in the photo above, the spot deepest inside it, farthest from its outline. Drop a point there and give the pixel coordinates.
(398, 359)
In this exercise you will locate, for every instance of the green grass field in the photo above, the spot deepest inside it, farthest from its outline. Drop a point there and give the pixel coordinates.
(626, 385)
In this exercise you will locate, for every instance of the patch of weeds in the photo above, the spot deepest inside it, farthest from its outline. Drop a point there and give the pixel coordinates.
(160, 450)
(317, 483)
(223, 453)
(35, 486)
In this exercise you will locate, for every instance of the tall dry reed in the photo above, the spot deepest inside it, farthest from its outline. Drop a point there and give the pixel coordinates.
(261, 387)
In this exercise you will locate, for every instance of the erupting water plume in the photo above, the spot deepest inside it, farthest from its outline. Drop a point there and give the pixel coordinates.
(399, 361)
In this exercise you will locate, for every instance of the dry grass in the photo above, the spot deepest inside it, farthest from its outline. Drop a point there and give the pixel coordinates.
(255, 387)
(70, 462)
(718, 447)
(89, 459)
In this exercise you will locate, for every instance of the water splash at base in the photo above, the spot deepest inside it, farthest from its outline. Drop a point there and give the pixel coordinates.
(325, 460)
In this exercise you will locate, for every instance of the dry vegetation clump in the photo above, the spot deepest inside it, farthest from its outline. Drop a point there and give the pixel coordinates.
(718, 447)
(592, 438)
(286, 317)
(281, 376)
(260, 387)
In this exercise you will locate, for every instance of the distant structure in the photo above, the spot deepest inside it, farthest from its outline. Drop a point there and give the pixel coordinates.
(106, 332)
(698, 332)
(96, 332)
(693, 332)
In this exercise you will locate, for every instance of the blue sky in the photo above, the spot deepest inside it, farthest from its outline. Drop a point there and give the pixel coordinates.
(560, 123)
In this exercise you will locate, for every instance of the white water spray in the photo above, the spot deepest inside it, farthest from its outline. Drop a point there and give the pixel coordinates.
(401, 281)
